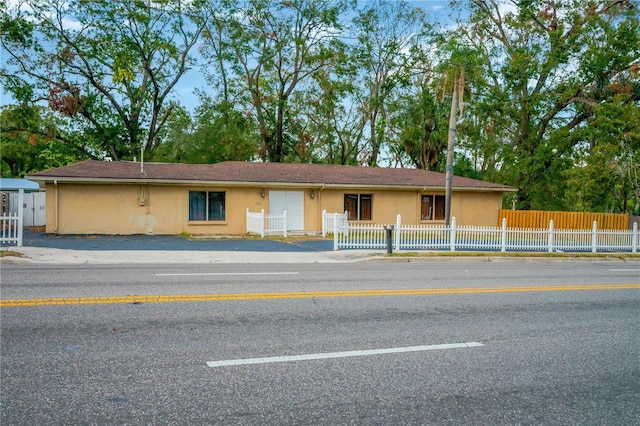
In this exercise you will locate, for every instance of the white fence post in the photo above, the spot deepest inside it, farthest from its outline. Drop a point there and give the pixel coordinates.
(324, 223)
(397, 236)
(262, 223)
(335, 231)
(634, 242)
(20, 215)
(284, 224)
(594, 237)
(452, 234)
(550, 239)
(504, 234)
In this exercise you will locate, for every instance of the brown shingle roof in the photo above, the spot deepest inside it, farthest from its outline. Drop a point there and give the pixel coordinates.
(258, 173)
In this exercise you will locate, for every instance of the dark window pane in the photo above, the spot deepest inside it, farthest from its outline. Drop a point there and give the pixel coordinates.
(439, 207)
(351, 206)
(366, 206)
(197, 205)
(425, 207)
(216, 205)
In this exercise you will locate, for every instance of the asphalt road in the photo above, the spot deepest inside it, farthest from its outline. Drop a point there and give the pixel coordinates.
(535, 342)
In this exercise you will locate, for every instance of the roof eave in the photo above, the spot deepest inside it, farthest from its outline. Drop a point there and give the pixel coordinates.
(423, 188)
(190, 182)
(484, 189)
(137, 181)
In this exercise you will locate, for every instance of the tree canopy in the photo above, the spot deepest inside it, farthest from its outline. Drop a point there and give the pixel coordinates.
(108, 68)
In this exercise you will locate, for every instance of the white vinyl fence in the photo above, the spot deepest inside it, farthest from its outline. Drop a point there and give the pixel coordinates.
(331, 221)
(453, 237)
(271, 224)
(259, 223)
(11, 225)
(360, 236)
(11, 232)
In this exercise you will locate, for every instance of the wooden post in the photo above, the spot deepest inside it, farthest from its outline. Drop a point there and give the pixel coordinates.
(453, 118)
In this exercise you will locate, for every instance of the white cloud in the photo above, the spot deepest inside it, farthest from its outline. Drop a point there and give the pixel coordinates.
(67, 22)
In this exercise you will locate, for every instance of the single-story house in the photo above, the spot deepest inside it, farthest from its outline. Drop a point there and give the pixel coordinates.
(103, 197)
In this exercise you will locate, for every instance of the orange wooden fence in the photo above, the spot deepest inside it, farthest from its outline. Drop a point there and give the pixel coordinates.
(536, 219)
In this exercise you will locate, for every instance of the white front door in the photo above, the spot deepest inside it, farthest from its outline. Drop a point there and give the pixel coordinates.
(293, 203)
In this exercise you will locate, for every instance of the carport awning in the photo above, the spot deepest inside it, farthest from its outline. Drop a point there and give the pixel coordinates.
(14, 184)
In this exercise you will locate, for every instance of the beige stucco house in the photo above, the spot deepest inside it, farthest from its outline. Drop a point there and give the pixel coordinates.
(102, 197)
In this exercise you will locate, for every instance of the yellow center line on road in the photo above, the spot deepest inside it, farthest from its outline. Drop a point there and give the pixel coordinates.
(102, 300)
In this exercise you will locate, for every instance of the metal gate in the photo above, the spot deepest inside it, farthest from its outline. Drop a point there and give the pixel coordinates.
(34, 207)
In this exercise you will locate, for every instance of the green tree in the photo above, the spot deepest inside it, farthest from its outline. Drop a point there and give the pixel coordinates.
(110, 69)
(216, 133)
(391, 37)
(607, 173)
(273, 48)
(33, 139)
(330, 122)
(419, 124)
(547, 64)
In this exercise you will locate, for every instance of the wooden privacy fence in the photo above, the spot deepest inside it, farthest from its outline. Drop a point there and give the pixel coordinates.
(535, 219)
(440, 237)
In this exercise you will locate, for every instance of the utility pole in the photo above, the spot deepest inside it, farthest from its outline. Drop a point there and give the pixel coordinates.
(453, 119)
